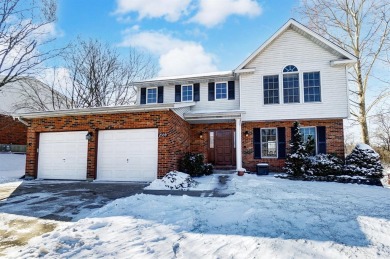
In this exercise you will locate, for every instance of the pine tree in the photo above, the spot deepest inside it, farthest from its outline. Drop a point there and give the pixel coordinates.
(364, 161)
(296, 160)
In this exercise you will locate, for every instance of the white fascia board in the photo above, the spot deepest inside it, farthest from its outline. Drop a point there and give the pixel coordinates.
(342, 62)
(213, 115)
(245, 70)
(102, 110)
(303, 28)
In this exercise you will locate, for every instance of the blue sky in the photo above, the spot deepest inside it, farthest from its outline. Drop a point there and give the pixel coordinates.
(184, 36)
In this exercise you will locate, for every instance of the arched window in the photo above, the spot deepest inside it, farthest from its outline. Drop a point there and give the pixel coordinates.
(290, 84)
(290, 68)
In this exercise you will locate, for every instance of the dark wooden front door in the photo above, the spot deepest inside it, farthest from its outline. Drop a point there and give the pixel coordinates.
(224, 147)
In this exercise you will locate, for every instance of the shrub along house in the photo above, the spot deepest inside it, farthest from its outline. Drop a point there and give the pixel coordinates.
(235, 118)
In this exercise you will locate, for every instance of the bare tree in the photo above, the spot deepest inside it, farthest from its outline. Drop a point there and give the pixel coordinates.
(24, 36)
(98, 76)
(382, 130)
(361, 27)
(94, 75)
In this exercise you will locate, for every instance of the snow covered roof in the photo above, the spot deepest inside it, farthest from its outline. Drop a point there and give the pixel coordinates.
(102, 110)
(188, 78)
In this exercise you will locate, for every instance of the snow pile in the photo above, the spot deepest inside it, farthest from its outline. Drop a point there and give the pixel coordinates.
(173, 180)
(12, 167)
(363, 161)
(266, 218)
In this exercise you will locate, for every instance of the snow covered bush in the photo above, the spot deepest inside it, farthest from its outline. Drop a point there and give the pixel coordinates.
(173, 180)
(192, 164)
(296, 160)
(363, 161)
(208, 169)
(324, 165)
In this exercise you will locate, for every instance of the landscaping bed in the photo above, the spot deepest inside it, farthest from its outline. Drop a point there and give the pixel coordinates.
(333, 178)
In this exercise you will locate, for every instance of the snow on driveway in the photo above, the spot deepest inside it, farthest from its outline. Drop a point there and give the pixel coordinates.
(265, 218)
(12, 167)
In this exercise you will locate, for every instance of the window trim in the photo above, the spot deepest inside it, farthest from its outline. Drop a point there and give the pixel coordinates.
(299, 85)
(279, 92)
(261, 143)
(315, 137)
(215, 90)
(192, 95)
(147, 93)
(303, 86)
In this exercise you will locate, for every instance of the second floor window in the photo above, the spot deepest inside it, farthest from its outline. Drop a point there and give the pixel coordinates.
(290, 84)
(152, 95)
(187, 93)
(220, 91)
(271, 89)
(312, 87)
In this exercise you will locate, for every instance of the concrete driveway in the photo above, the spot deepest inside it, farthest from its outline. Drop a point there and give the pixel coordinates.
(33, 208)
(62, 200)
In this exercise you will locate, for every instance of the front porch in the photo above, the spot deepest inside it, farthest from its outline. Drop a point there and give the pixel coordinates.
(217, 135)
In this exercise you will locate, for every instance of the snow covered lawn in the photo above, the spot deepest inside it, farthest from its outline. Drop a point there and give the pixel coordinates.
(12, 167)
(265, 218)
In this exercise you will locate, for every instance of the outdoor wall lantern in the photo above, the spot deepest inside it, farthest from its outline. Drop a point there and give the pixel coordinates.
(201, 134)
(246, 133)
(88, 136)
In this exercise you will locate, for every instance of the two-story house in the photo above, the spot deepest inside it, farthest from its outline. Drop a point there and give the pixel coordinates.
(235, 118)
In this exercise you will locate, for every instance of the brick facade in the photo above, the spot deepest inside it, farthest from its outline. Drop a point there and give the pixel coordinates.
(334, 139)
(176, 137)
(11, 131)
(173, 141)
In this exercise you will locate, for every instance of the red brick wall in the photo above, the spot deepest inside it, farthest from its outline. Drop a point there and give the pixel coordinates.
(170, 147)
(12, 132)
(334, 139)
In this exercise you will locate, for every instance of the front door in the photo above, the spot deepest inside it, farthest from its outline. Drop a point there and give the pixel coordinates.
(223, 147)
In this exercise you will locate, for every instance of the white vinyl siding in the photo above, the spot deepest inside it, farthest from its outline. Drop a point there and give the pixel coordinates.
(307, 56)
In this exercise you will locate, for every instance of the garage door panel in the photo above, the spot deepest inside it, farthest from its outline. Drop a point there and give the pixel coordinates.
(63, 155)
(128, 155)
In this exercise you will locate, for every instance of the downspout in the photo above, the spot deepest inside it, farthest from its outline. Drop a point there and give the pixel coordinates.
(22, 121)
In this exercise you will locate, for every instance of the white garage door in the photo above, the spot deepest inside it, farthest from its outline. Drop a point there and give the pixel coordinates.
(63, 155)
(127, 155)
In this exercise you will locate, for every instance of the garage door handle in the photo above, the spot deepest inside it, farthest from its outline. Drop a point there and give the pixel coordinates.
(63, 159)
(127, 160)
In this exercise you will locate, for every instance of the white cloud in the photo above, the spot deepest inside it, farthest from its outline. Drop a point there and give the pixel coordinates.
(170, 10)
(176, 57)
(190, 59)
(214, 12)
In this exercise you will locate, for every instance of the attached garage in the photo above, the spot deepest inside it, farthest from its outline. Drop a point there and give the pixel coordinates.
(127, 155)
(63, 155)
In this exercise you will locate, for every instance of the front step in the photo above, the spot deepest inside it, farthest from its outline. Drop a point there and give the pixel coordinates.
(224, 167)
(217, 171)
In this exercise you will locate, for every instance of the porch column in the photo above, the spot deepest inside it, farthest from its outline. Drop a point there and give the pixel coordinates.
(238, 144)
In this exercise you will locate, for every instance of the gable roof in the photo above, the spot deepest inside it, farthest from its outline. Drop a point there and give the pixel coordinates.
(348, 57)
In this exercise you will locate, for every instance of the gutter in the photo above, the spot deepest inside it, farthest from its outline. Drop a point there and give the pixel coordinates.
(22, 121)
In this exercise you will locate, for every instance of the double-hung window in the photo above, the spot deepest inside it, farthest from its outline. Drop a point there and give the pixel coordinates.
(271, 89)
(269, 142)
(290, 84)
(309, 132)
(151, 95)
(220, 90)
(312, 87)
(187, 93)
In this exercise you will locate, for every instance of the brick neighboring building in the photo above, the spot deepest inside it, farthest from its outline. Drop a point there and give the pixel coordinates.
(235, 118)
(11, 131)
